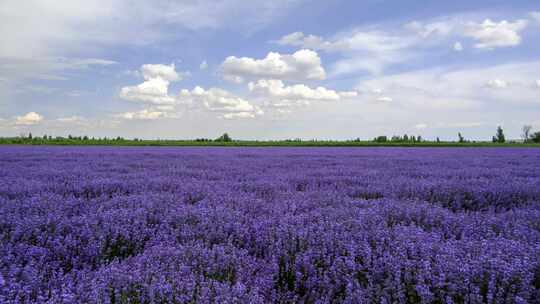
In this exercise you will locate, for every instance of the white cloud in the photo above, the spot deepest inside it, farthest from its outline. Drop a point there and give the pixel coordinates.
(538, 83)
(239, 115)
(374, 48)
(221, 101)
(490, 34)
(421, 126)
(36, 28)
(155, 88)
(30, 118)
(497, 84)
(70, 119)
(203, 65)
(459, 89)
(161, 71)
(302, 65)
(277, 89)
(384, 99)
(431, 29)
(141, 115)
(47, 68)
(299, 39)
(38, 35)
(153, 91)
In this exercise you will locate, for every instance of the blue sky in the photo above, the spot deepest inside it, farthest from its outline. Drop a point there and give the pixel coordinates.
(269, 70)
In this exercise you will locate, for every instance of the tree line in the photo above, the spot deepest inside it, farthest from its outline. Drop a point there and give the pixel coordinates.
(528, 136)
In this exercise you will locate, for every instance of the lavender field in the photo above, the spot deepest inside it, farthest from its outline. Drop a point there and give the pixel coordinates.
(269, 225)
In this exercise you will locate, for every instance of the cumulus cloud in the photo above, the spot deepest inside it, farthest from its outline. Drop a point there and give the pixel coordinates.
(220, 101)
(155, 88)
(491, 35)
(302, 65)
(420, 126)
(142, 115)
(458, 47)
(276, 88)
(275, 94)
(30, 118)
(497, 84)
(537, 83)
(155, 91)
(161, 71)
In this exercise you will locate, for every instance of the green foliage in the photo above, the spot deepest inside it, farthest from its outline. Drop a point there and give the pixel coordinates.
(461, 139)
(380, 139)
(535, 137)
(224, 138)
(499, 137)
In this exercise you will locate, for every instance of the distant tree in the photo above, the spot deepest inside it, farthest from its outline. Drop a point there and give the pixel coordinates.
(85, 138)
(535, 137)
(381, 139)
(461, 139)
(525, 131)
(419, 138)
(405, 137)
(499, 137)
(438, 140)
(45, 137)
(30, 135)
(69, 136)
(224, 138)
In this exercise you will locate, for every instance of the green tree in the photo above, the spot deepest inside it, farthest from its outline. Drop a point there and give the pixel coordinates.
(461, 138)
(526, 130)
(535, 137)
(224, 138)
(381, 139)
(499, 137)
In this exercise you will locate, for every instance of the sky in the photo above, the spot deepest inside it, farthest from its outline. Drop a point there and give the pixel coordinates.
(269, 69)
